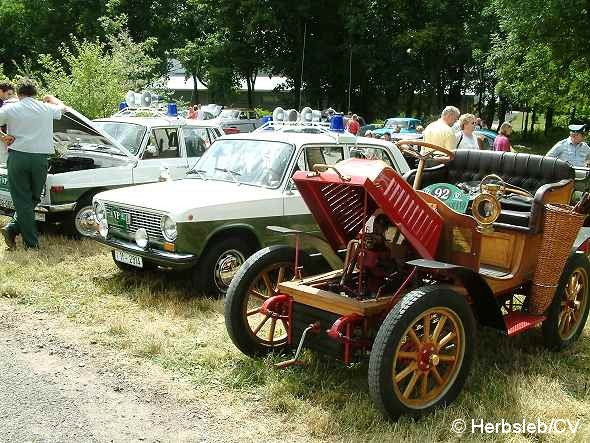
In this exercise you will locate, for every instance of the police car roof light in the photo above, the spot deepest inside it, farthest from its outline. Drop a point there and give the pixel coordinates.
(337, 123)
(172, 110)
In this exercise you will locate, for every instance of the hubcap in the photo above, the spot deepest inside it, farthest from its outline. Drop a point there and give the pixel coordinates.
(85, 221)
(428, 358)
(226, 267)
(573, 304)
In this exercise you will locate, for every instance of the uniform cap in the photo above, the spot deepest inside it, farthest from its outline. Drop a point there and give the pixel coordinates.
(577, 128)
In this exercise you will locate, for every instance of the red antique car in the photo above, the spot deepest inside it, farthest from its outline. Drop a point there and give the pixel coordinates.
(413, 277)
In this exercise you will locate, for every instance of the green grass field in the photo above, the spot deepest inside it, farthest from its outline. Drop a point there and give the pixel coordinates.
(151, 316)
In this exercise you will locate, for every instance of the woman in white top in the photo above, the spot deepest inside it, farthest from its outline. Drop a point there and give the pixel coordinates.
(466, 139)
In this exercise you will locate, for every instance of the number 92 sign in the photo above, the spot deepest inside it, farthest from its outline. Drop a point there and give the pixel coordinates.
(450, 195)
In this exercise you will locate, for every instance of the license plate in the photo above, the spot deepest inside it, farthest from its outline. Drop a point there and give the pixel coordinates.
(118, 218)
(40, 216)
(130, 259)
(6, 203)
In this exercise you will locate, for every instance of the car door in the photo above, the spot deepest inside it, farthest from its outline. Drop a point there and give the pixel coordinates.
(196, 141)
(164, 149)
(308, 156)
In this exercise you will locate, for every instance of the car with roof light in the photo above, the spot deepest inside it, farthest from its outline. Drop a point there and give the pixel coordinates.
(210, 222)
(134, 146)
(233, 120)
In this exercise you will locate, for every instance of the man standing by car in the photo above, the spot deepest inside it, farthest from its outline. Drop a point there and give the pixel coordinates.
(6, 91)
(573, 149)
(440, 132)
(353, 124)
(31, 123)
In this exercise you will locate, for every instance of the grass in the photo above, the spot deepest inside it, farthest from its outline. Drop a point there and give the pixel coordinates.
(150, 316)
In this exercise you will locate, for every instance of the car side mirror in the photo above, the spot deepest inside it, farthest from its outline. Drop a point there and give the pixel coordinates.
(151, 150)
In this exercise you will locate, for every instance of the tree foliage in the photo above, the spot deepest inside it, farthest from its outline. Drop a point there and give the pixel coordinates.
(380, 57)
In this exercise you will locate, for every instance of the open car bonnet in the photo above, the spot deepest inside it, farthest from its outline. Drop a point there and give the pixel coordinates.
(342, 198)
(73, 128)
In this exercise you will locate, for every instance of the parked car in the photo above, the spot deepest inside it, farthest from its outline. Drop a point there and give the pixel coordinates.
(238, 120)
(420, 276)
(406, 126)
(109, 153)
(211, 222)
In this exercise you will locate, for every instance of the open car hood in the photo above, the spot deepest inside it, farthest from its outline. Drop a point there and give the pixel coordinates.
(73, 126)
(338, 197)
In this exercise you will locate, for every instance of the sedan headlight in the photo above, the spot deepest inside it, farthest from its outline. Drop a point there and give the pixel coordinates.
(100, 211)
(168, 226)
(100, 214)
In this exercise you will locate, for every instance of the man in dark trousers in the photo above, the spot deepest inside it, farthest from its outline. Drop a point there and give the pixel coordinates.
(31, 123)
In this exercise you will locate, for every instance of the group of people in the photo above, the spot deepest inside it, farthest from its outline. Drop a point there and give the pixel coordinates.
(27, 140)
(573, 150)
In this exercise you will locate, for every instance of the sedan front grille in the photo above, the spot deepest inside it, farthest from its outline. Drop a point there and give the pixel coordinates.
(139, 219)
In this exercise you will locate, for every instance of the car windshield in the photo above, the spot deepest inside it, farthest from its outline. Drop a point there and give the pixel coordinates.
(403, 124)
(129, 135)
(250, 162)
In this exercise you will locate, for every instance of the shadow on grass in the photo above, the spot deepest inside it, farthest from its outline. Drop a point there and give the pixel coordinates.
(503, 370)
(157, 290)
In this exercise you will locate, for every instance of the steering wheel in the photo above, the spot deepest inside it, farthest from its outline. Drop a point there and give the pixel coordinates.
(270, 175)
(501, 187)
(423, 155)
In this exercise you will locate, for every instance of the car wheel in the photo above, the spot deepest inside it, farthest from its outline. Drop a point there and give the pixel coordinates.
(219, 264)
(257, 280)
(568, 311)
(147, 266)
(82, 222)
(422, 353)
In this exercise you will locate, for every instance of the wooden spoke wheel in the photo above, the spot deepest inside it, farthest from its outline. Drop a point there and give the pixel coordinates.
(568, 312)
(422, 352)
(428, 357)
(257, 280)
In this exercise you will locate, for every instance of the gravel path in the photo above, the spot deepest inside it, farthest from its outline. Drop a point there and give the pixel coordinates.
(58, 386)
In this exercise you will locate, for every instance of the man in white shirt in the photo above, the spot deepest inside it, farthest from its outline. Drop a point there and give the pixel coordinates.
(30, 122)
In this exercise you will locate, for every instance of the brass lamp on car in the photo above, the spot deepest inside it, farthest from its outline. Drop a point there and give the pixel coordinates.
(486, 206)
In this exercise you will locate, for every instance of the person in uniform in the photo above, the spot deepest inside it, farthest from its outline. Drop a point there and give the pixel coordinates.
(573, 149)
(31, 123)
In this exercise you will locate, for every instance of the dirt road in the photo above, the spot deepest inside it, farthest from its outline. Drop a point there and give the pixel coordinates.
(55, 388)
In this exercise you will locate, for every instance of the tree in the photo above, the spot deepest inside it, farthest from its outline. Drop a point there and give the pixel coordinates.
(93, 77)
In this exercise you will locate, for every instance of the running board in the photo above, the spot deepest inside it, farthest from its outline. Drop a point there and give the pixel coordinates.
(517, 322)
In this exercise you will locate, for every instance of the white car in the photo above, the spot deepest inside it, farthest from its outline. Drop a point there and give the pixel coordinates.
(211, 222)
(111, 153)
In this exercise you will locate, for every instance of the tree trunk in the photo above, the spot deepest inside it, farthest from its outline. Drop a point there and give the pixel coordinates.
(502, 108)
(533, 117)
(548, 119)
(573, 116)
(526, 121)
(195, 93)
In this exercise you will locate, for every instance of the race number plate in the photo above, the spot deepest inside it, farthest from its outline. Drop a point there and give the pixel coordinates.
(130, 259)
(450, 195)
(118, 218)
(39, 216)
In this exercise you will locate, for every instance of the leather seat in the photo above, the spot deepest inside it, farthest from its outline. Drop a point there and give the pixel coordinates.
(537, 174)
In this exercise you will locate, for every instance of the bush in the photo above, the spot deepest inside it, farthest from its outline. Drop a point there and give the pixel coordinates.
(93, 77)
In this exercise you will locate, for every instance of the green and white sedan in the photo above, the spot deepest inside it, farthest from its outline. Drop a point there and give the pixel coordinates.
(212, 221)
(92, 156)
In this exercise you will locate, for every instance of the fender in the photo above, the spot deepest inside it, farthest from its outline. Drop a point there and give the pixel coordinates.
(581, 242)
(313, 241)
(488, 311)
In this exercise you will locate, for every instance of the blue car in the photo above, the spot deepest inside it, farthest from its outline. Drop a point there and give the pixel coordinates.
(406, 125)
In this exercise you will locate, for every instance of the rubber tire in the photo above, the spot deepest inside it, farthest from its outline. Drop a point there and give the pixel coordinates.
(124, 267)
(389, 334)
(202, 277)
(238, 290)
(550, 326)
(69, 224)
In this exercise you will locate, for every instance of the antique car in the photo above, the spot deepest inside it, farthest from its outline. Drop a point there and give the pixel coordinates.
(419, 275)
(209, 223)
(129, 148)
